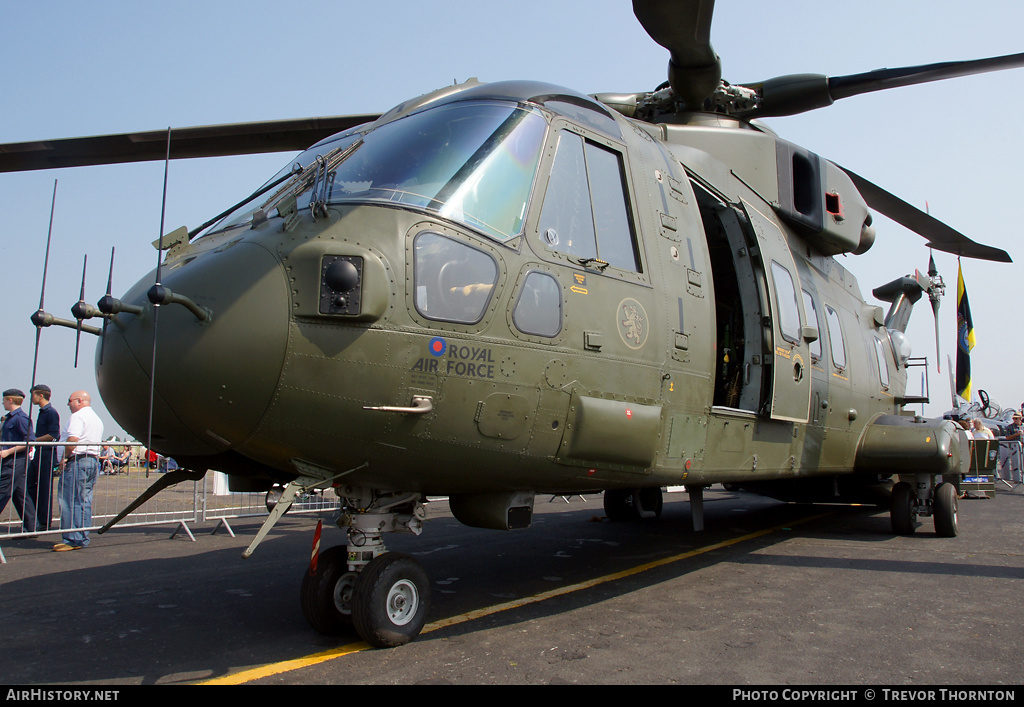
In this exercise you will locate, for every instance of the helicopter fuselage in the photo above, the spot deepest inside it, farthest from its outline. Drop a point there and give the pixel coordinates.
(578, 301)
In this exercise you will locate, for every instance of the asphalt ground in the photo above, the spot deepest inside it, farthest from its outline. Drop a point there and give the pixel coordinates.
(768, 594)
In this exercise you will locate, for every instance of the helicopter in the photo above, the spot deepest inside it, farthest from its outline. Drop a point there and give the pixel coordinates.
(495, 291)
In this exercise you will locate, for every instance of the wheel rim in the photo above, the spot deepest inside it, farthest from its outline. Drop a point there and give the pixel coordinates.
(343, 593)
(403, 602)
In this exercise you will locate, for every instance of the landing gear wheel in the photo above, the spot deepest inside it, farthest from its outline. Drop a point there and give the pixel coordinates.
(945, 511)
(633, 504)
(273, 496)
(901, 512)
(391, 600)
(326, 595)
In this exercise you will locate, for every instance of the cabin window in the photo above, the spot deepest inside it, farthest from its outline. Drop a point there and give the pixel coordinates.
(453, 281)
(812, 318)
(883, 367)
(539, 309)
(785, 295)
(586, 212)
(835, 338)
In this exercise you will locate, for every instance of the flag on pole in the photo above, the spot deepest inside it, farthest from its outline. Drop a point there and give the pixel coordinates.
(964, 338)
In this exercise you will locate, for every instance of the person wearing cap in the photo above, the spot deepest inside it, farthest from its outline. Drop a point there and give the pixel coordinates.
(1015, 433)
(14, 459)
(81, 467)
(40, 467)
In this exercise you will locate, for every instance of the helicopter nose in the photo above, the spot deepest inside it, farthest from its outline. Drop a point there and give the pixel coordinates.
(212, 379)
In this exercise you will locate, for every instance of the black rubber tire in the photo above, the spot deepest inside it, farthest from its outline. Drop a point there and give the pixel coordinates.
(621, 504)
(618, 505)
(391, 600)
(326, 595)
(901, 510)
(944, 511)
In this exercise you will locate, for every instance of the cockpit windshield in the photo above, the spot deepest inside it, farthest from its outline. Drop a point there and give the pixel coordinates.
(471, 162)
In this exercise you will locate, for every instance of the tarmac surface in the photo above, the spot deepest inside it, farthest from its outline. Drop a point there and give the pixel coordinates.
(768, 594)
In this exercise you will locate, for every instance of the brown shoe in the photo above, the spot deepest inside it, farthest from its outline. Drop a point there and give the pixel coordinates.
(64, 547)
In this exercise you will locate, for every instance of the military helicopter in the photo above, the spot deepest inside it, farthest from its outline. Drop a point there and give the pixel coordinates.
(495, 291)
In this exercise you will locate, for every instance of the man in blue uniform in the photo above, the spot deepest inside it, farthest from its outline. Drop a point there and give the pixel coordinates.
(40, 468)
(14, 459)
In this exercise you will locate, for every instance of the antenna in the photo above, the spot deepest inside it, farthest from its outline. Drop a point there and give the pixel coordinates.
(42, 296)
(77, 311)
(106, 320)
(153, 295)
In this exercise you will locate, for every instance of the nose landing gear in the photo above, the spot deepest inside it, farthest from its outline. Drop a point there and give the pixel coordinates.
(384, 595)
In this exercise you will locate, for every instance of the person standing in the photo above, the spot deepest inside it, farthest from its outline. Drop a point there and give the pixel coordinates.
(14, 459)
(40, 468)
(81, 467)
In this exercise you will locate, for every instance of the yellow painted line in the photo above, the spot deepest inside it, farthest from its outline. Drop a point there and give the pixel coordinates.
(287, 665)
(322, 657)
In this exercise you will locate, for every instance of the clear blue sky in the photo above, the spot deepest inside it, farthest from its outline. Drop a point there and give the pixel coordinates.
(74, 68)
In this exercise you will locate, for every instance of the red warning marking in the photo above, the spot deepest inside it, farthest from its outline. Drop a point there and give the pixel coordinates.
(316, 548)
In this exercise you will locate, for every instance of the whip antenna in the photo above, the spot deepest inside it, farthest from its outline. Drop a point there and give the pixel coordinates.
(42, 295)
(153, 297)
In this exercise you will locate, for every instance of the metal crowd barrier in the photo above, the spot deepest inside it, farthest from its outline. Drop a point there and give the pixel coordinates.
(1010, 469)
(189, 502)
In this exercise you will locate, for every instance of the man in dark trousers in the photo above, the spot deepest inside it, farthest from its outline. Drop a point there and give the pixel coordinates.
(14, 459)
(40, 468)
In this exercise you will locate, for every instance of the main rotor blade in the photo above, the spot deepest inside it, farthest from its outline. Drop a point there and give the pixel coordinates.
(684, 28)
(882, 79)
(203, 141)
(799, 93)
(939, 235)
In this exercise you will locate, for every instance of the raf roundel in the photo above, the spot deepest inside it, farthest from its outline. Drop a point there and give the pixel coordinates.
(438, 346)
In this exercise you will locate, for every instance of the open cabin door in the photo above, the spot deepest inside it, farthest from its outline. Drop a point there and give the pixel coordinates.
(790, 357)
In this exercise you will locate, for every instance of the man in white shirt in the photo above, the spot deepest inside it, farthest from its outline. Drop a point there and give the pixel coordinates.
(81, 466)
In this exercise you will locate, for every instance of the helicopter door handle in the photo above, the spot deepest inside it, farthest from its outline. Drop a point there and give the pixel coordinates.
(421, 405)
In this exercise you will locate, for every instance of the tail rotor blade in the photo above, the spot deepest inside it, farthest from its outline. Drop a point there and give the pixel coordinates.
(935, 296)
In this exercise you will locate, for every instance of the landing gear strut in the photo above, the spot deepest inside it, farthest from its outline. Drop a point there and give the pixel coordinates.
(384, 595)
(927, 496)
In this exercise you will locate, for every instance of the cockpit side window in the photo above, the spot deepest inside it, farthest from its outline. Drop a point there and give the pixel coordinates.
(453, 281)
(538, 311)
(586, 211)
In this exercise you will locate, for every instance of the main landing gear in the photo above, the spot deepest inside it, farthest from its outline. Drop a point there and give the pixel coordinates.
(927, 495)
(384, 596)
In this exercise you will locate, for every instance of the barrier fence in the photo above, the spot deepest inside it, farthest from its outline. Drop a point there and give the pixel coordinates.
(117, 485)
(193, 501)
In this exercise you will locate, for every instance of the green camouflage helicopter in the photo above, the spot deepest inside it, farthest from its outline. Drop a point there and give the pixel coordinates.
(495, 291)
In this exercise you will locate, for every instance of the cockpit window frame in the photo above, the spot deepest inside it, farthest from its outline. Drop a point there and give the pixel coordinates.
(552, 254)
(255, 211)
